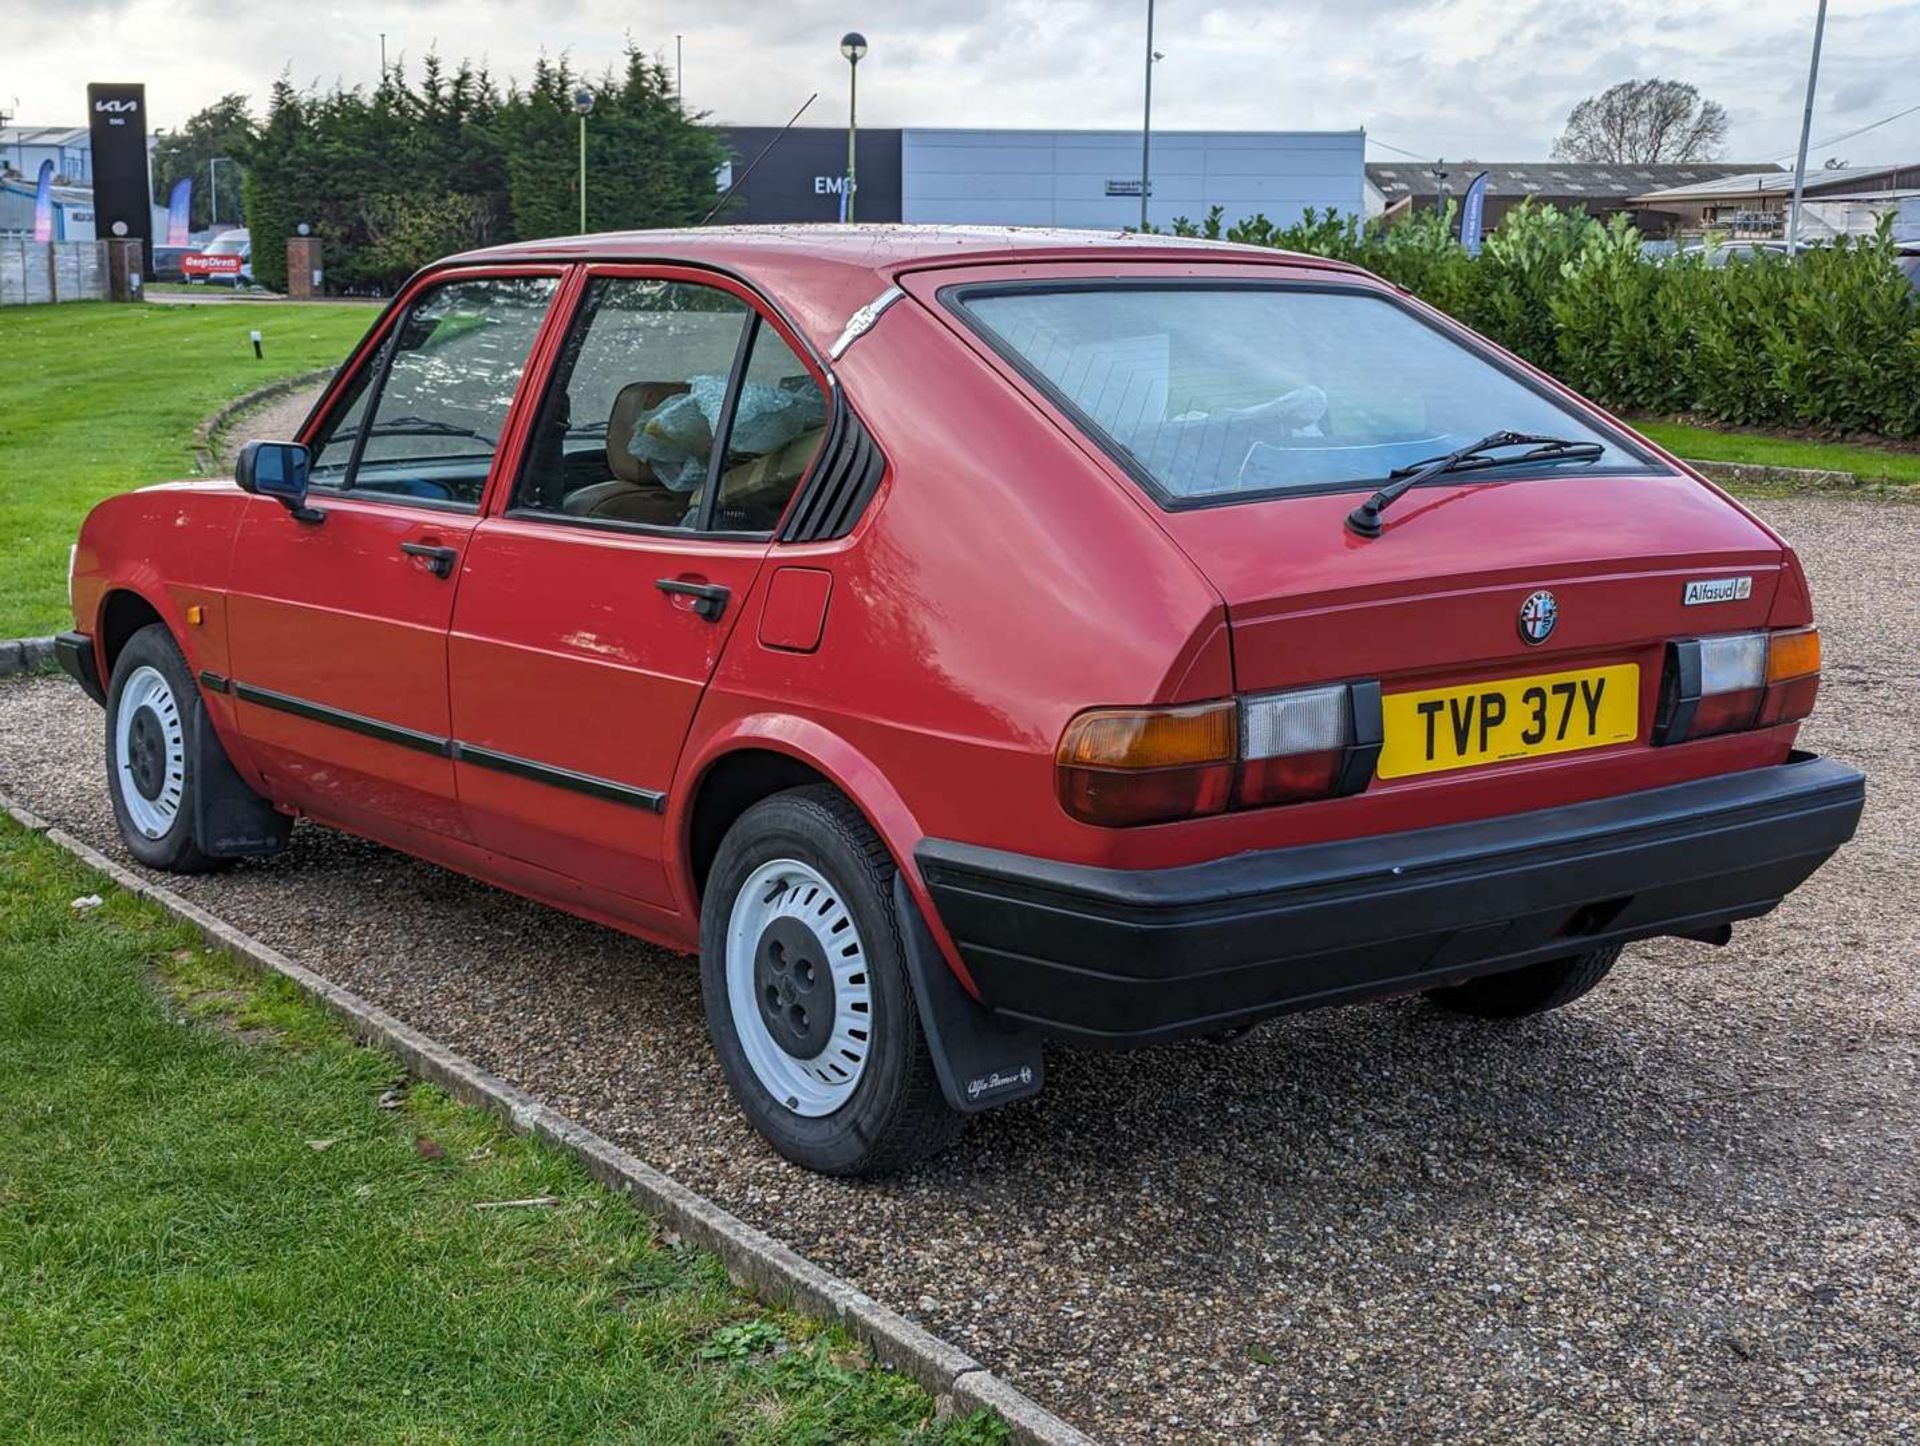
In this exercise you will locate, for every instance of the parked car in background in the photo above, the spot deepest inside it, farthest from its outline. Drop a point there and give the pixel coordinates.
(165, 265)
(1908, 260)
(1720, 253)
(226, 260)
(968, 639)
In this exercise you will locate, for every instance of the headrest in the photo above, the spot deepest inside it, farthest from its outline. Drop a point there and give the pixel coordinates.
(634, 401)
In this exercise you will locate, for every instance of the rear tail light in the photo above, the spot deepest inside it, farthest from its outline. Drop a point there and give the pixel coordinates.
(1120, 766)
(1314, 743)
(1137, 765)
(1793, 676)
(1738, 681)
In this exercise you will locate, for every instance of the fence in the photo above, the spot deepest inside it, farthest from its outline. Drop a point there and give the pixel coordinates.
(52, 271)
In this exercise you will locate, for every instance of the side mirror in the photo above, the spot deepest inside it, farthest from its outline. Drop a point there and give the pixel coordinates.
(277, 469)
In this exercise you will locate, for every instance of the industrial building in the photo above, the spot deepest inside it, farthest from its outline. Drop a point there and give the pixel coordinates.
(1072, 178)
(23, 148)
(1844, 201)
(1398, 189)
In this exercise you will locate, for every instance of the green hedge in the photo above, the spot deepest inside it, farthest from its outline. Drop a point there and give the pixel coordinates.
(1830, 340)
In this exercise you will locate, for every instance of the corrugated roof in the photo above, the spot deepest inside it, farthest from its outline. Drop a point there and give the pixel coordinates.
(43, 135)
(1395, 179)
(1767, 182)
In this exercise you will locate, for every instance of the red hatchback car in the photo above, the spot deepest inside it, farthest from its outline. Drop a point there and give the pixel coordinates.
(966, 638)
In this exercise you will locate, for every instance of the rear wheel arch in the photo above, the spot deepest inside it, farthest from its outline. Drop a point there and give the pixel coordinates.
(761, 755)
(732, 784)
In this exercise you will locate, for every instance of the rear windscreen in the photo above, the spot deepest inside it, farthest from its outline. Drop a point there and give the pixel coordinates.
(1209, 392)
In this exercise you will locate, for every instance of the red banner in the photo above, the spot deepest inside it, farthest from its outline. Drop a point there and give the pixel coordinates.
(217, 265)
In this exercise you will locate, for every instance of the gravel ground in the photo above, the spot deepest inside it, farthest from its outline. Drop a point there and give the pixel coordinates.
(1686, 1207)
(273, 421)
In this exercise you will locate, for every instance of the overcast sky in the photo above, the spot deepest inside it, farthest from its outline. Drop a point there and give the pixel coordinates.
(1452, 78)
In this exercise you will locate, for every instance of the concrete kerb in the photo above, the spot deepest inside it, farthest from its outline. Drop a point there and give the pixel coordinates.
(206, 436)
(753, 1258)
(25, 655)
(1803, 481)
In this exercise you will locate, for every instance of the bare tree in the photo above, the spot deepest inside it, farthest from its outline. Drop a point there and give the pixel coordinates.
(1643, 122)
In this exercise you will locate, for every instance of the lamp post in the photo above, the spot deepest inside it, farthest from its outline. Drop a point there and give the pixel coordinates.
(583, 107)
(853, 45)
(1146, 126)
(1806, 127)
(213, 178)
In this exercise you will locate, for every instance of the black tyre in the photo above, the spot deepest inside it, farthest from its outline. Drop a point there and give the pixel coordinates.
(807, 996)
(150, 753)
(1533, 989)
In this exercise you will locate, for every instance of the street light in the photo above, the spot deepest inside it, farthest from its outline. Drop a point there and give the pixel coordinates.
(213, 176)
(853, 45)
(1806, 128)
(583, 107)
(1146, 126)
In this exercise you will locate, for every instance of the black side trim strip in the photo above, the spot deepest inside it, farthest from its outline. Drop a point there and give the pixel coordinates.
(340, 718)
(646, 798)
(587, 783)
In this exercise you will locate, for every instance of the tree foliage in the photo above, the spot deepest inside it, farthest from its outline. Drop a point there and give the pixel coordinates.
(221, 133)
(1643, 122)
(393, 178)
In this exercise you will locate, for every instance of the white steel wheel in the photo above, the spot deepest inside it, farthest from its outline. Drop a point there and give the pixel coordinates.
(798, 987)
(150, 748)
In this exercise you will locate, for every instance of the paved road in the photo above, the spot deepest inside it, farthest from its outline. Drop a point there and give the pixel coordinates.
(1687, 1208)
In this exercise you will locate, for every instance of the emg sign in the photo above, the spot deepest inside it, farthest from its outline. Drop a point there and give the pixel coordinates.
(831, 185)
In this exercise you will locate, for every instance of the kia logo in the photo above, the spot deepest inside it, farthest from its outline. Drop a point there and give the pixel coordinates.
(117, 107)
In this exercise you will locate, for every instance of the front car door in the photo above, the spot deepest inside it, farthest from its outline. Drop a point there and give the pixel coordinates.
(676, 425)
(338, 627)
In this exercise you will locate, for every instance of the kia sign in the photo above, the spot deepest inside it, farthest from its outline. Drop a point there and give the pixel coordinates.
(117, 122)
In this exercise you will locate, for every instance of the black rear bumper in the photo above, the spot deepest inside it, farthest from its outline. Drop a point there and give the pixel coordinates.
(1122, 957)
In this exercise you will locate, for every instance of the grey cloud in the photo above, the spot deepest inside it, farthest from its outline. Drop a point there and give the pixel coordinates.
(1450, 77)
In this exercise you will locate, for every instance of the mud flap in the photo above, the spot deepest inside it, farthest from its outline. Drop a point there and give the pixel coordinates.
(230, 820)
(982, 1063)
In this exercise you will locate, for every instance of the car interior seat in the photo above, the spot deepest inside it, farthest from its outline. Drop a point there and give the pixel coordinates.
(632, 493)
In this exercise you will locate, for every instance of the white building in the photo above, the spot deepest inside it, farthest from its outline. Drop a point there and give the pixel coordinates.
(23, 148)
(1092, 178)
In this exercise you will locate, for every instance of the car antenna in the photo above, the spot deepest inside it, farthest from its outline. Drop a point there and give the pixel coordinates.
(727, 195)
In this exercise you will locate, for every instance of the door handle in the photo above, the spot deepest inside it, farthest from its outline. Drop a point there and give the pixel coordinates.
(440, 560)
(709, 599)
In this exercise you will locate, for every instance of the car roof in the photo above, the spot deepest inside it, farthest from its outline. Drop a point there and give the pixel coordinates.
(822, 273)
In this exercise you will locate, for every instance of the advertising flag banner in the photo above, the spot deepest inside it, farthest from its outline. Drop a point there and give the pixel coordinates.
(1472, 213)
(179, 207)
(43, 204)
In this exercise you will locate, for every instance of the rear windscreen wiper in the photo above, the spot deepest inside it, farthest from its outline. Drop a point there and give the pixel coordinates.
(1365, 519)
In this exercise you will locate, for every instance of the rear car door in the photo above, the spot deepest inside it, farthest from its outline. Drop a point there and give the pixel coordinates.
(338, 627)
(675, 427)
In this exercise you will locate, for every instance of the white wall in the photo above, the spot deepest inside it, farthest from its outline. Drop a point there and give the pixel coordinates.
(1060, 178)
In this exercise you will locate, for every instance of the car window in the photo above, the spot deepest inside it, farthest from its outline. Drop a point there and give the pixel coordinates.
(442, 387)
(1209, 392)
(626, 431)
(777, 426)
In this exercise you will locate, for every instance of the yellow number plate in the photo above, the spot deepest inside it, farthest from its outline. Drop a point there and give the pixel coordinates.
(1443, 728)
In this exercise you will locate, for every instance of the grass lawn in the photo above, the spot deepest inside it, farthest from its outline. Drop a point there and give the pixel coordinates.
(1709, 444)
(96, 398)
(221, 1219)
